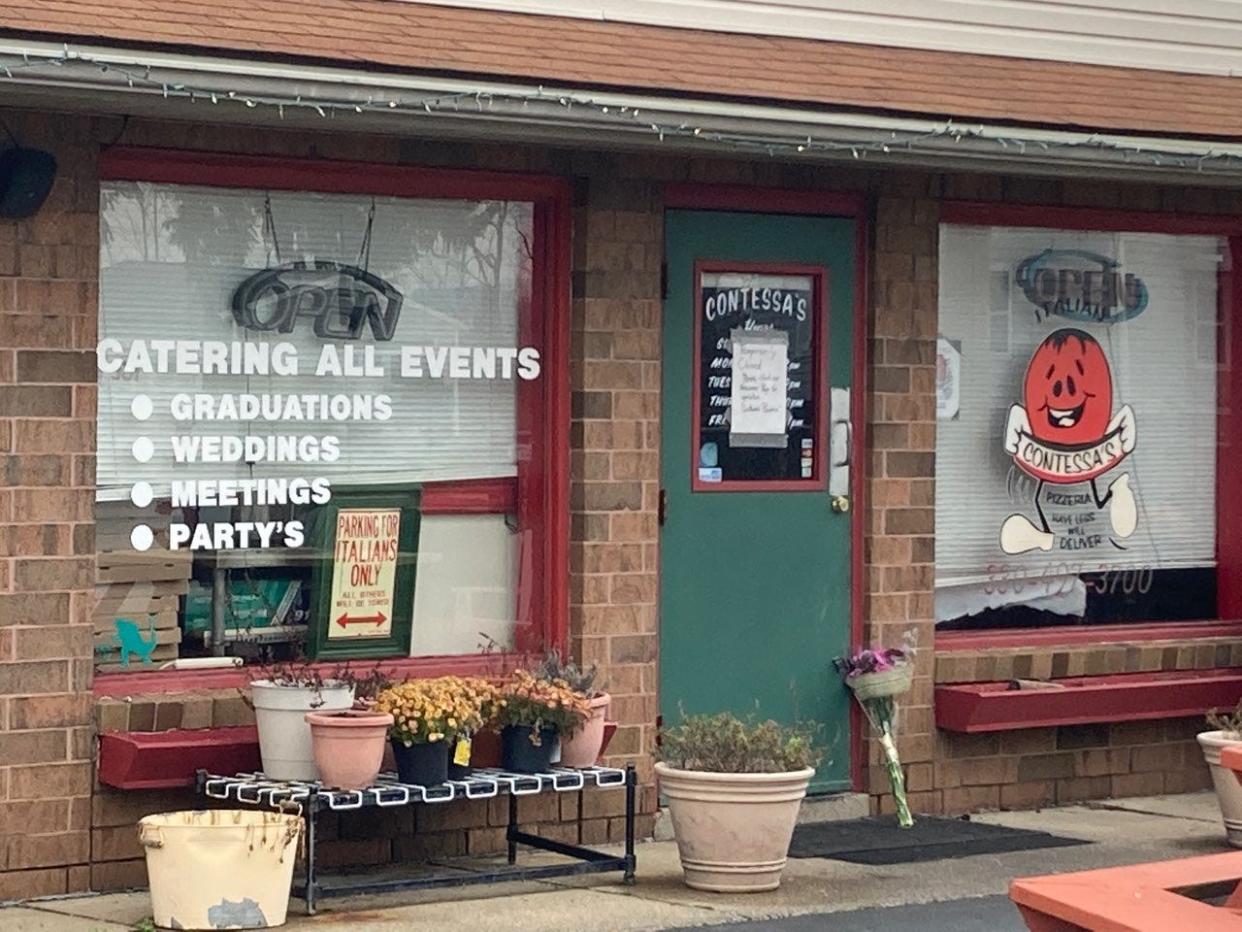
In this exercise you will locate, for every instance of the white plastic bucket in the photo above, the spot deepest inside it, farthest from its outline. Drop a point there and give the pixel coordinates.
(220, 868)
(284, 736)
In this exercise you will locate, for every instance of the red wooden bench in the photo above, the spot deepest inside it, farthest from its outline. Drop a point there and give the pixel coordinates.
(1159, 897)
(1139, 898)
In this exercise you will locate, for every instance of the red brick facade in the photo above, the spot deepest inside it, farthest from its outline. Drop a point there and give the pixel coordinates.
(60, 831)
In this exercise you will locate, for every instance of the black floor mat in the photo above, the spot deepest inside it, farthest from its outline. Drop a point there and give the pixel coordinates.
(880, 840)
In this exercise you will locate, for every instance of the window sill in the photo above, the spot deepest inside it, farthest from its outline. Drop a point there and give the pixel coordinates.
(160, 682)
(983, 707)
(1092, 634)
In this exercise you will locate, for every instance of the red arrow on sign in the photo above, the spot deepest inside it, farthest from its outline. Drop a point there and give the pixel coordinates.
(377, 619)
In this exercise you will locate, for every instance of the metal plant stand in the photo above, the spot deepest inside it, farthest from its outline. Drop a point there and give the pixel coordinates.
(310, 799)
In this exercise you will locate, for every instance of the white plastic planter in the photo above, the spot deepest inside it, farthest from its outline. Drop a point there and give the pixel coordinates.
(1228, 790)
(221, 868)
(284, 735)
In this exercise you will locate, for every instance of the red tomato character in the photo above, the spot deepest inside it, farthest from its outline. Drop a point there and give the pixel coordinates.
(1068, 392)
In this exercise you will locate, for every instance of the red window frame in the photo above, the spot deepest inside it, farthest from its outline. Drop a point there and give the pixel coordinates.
(1229, 419)
(539, 496)
(818, 482)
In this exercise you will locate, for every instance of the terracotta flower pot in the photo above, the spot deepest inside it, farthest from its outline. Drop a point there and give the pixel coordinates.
(349, 746)
(1228, 789)
(733, 829)
(583, 747)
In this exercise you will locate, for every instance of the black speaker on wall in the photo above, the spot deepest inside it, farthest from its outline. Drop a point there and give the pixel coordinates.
(26, 177)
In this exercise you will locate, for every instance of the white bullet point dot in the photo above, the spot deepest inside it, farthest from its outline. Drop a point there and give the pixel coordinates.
(142, 407)
(144, 449)
(142, 537)
(142, 494)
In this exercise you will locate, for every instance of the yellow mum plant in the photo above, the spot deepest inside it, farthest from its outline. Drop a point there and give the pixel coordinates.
(440, 709)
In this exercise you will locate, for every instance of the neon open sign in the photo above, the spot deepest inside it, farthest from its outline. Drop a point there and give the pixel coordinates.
(1081, 286)
(341, 300)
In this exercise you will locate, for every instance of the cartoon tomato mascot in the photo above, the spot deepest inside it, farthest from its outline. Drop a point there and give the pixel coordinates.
(1065, 432)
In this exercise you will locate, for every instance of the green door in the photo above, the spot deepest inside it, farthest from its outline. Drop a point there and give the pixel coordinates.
(755, 534)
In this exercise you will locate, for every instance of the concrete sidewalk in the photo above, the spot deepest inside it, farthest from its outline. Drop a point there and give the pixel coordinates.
(1122, 832)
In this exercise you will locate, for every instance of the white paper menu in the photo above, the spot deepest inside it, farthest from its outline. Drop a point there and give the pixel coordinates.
(759, 389)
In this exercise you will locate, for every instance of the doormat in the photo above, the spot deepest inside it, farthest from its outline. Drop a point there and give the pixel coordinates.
(880, 840)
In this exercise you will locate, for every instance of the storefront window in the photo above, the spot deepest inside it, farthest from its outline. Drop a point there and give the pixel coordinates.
(311, 423)
(1076, 427)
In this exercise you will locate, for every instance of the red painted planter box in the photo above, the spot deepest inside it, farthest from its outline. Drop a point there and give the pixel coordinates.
(975, 707)
(133, 760)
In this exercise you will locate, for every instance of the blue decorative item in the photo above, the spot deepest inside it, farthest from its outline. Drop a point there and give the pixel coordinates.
(130, 641)
(709, 455)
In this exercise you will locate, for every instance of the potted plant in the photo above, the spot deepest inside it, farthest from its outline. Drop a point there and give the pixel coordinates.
(281, 696)
(424, 725)
(349, 746)
(1226, 731)
(733, 788)
(582, 748)
(533, 713)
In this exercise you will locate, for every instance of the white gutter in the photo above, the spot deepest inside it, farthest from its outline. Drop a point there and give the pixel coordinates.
(179, 86)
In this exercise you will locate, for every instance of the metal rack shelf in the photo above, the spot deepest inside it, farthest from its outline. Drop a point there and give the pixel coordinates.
(310, 799)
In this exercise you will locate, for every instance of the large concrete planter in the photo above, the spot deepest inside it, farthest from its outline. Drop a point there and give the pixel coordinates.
(284, 734)
(1228, 789)
(733, 829)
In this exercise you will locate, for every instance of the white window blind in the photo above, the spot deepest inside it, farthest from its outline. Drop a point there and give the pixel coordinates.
(172, 257)
(1163, 364)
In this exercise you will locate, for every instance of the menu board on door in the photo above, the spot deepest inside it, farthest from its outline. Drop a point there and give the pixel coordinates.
(759, 377)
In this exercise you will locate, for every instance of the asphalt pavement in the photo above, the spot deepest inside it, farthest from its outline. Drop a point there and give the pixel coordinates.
(975, 914)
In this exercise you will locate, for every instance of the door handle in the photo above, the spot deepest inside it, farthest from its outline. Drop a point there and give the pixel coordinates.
(840, 445)
(849, 444)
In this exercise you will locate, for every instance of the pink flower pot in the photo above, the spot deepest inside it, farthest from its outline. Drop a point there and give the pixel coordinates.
(349, 746)
(582, 749)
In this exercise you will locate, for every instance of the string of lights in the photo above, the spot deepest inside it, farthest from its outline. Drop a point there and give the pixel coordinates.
(145, 77)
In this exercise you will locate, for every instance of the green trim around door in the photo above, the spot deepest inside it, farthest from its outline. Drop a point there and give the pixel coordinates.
(756, 583)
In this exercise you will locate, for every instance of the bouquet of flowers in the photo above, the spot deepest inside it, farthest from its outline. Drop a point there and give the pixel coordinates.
(877, 678)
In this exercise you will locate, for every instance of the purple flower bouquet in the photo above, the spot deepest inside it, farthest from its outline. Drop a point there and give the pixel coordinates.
(877, 677)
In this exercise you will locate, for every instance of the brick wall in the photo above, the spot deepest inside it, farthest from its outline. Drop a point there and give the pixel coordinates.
(618, 251)
(48, 274)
